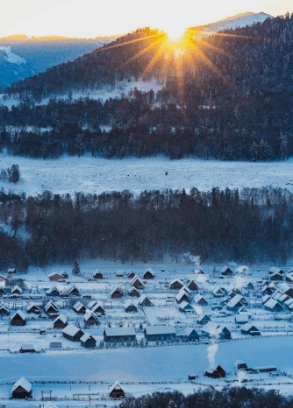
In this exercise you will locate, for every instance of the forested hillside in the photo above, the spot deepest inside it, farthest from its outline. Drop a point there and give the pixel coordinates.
(253, 225)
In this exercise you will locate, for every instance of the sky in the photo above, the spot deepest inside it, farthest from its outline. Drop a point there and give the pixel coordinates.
(91, 18)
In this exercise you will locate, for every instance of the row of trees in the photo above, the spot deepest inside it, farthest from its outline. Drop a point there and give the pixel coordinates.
(247, 226)
(12, 174)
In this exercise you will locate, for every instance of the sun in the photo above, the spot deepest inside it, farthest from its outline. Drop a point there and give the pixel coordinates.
(174, 32)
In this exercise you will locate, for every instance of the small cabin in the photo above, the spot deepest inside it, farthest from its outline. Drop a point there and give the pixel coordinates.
(192, 285)
(119, 334)
(249, 328)
(204, 319)
(51, 308)
(137, 283)
(200, 300)
(218, 372)
(98, 309)
(117, 293)
(189, 334)
(4, 311)
(33, 309)
(88, 341)
(154, 333)
(21, 389)
(116, 391)
(79, 308)
(149, 274)
(72, 333)
(130, 274)
(176, 284)
(27, 348)
(55, 277)
(130, 307)
(16, 290)
(226, 271)
(18, 319)
(133, 292)
(145, 301)
(73, 291)
(60, 322)
(185, 307)
(98, 274)
(90, 318)
(54, 292)
(11, 271)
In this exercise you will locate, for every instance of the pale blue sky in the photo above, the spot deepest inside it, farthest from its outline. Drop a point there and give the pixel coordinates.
(90, 18)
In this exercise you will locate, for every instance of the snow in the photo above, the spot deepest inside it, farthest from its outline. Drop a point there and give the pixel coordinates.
(24, 383)
(97, 175)
(238, 21)
(11, 57)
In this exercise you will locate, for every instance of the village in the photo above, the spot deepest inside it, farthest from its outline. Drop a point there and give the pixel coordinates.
(141, 310)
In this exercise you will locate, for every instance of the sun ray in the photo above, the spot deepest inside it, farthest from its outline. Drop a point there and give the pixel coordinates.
(106, 48)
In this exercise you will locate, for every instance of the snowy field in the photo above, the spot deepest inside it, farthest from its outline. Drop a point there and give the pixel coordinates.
(96, 175)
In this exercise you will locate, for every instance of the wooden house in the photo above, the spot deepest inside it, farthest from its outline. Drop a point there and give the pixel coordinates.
(289, 277)
(98, 309)
(235, 303)
(241, 318)
(276, 277)
(60, 322)
(136, 282)
(54, 292)
(21, 389)
(72, 333)
(226, 271)
(249, 286)
(218, 372)
(249, 328)
(133, 292)
(55, 277)
(51, 308)
(119, 334)
(116, 391)
(215, 330)
(11, 271)
(204, 319)
(98, 274)
(185, 307)
(200, 300)
(273, 305)
(149, 274)
(90, 318)
(73, 291)
(4, 311)
(2, 291)
(129, 306)
(16, 290)
(219, 292)
(88, 341)
(33, 308)
(189, 334)
(145, 301)
(199, 271)
(176, 284)
(117, 293)
(18, 319)
(274, 269)
(119, 274)
(192, 285)
(130, 274)
(27, 348)
(154, 333)
(79, 308)
(182, 296)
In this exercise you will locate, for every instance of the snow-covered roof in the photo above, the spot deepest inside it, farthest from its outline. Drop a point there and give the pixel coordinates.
(86, 337)
(53, 289)
(241, 318)
(136, 279)
(182, 294)
(272, 303)
(23, 383)
(235, 300)
(119, 331)
(198, 298)
(51, 304)
(89, 314)
(176, 281)
(213, 329)
(70, 330)
(16, 288)
(275, 269)
(128, 303)
(27, 347)
(185, 305)
(2, 306)
(20, 314)
(143, 298)
(248, 326)
(78, 306)
(91, 304)
(61, 317)
(218, 290)
(158, 330)
(265, 298)
(115, 386)
(97, 306)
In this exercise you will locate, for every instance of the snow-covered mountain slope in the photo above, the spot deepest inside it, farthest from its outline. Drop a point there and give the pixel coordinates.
(237, 21)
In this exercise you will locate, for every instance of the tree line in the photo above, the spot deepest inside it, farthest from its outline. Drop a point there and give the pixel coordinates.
(252, 225)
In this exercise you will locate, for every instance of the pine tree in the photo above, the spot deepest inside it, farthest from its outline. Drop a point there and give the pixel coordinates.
(75, 269)
(14, 174)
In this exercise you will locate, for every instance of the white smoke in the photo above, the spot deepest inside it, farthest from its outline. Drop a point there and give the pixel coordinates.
(212, 351)
(239, 282)
(191, 259)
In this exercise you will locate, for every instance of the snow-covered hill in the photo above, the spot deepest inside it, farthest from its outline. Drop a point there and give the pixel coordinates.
(237, 21)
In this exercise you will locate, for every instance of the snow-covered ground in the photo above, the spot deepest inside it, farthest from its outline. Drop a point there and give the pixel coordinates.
(96, 175)
(11, 57)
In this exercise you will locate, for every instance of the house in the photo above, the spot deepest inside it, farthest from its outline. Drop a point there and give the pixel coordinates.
(90, 318)
(241, 318)
(22, 388)
(55, 277)
(204, 319)
(266, 290)
(189, 334)
(60, 322)
(2, 278)
(98, 309)
(199, 271)
(235, 303)
(11, 271)
(73, 291)
(219, 292)
(185, 307)
(273, 305)
(145, 301)
(133, 292)
(149, 274)
(215, 330)
(119, 274)
(265, 298)
(249, 286)
(51, 308)
(182, 296)
(280, 297)
(4, 311)
(136, 282)
(116, 391)
(130, 274)
(98, 274)
(16, 290)
(286, 289)
(153, 333)
(200, 300)
(273, 270)
(176, 284)
(72, 333)
(249, 328)
(116, 293)
(219, 372)
(79, 308)
(88, 341)
(2, 291)
(276, 277)
(192, 285)
(27, 348)
(119, 334)
(226, 271)
(289, 277)
(32, 308)
(130, 307)
(18, 319)
(53, 292)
